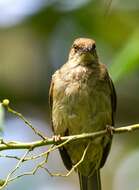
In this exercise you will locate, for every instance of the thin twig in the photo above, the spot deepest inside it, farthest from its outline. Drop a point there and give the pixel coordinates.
(28, 173)
(14, 170)
(73, 167)
(30, 157)
(10, 156)
(32, 172)
(37, 132)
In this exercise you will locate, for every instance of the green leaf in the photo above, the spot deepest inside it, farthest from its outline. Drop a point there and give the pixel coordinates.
(127, 60)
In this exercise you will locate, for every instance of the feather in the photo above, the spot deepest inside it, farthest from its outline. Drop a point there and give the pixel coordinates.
(90, 183)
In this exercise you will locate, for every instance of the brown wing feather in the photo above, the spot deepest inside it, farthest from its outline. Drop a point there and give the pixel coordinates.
(51, 101)
(64, 155)
(113, 100)
(113, 104)
(51, 94)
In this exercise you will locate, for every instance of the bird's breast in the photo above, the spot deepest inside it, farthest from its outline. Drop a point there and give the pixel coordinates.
(79, 105)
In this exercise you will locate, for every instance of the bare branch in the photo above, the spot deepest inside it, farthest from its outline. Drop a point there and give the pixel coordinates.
(40, 165)
(5, 145)
(6, 102)
(33, 172)
(10, 156)
(14, 170)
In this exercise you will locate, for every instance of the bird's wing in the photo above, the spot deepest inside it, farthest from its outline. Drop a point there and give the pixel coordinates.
(113, 105)
(51, 101)
(113, 100)
(63, 152)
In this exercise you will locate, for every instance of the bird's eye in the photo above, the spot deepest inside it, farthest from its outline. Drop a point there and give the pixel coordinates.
(75, 46)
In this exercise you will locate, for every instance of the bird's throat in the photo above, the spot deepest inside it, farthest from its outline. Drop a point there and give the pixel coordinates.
(83, 59)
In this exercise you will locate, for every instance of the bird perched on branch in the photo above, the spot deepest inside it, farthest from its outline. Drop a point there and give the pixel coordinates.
(83, 100)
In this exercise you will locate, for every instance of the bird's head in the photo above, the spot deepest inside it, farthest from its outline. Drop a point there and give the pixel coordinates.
(83, 51)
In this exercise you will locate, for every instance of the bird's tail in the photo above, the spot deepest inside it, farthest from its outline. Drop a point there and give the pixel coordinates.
(90, 183)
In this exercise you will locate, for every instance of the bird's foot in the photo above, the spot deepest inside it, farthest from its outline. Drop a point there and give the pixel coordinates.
(56, 138)
(109, 130)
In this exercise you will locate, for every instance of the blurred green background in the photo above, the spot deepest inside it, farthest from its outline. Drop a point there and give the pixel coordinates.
(35, 37)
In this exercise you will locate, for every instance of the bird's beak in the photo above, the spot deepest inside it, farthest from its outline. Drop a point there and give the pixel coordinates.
(86, 50)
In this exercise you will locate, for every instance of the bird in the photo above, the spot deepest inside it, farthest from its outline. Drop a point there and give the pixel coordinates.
(83, 100)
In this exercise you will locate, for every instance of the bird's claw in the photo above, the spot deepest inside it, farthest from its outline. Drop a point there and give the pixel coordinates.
(109, 130)
(56, 138)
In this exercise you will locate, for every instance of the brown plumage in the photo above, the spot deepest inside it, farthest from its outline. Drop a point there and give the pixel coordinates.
(83, 100)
